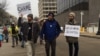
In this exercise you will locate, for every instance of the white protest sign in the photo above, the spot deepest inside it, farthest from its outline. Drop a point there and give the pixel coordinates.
(72, 30)
(24, 8)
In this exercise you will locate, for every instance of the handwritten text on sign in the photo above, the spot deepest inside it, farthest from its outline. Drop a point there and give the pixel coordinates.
(72, 30)
(24, 8)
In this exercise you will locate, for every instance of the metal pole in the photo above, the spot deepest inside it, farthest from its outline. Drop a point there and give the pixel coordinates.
(82, 18)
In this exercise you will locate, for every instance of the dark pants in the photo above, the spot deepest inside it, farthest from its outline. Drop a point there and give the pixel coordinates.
(23, 40)
(0, 43)
(6, 37)
(36, 39)
(72, 51)
(51, 44)
(14, 39)
(20, 37)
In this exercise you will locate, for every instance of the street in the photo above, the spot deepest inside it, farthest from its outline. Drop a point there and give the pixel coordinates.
(27, 19)
(88, 47)
(7, 50)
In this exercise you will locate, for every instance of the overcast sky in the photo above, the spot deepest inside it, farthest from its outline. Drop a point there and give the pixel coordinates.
(12, 6)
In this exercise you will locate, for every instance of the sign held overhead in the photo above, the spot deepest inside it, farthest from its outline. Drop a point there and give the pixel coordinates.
(24, 8)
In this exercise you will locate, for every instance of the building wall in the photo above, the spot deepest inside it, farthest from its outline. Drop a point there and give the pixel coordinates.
(94, 10)
(66, 4)
(46, 6)
(76, 6)
(90, 16)
(63, 18)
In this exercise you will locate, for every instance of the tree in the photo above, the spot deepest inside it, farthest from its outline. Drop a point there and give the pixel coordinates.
(3, 13)
(3, 4)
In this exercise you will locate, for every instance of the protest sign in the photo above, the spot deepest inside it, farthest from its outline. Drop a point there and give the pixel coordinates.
(72, 30)
(24, 8)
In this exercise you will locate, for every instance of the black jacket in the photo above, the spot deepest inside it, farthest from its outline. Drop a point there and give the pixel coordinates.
(20, 21)
(24, 28)
(31, 30)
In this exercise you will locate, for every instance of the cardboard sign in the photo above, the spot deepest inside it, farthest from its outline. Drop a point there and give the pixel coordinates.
(24, 8)
(72, 30)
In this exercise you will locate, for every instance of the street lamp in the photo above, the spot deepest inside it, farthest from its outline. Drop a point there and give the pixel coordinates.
(82, 13)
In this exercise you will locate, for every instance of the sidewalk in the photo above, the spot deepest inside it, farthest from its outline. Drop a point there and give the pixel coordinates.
(90, 35)
(7, 50)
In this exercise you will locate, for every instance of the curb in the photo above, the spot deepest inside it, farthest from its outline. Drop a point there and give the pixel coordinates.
(97, 37)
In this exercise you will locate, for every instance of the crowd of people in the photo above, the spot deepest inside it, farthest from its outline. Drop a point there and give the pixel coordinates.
(29, 30)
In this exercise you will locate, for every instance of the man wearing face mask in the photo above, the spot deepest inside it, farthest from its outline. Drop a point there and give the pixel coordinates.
(72, 41)
(50, 31)
(33, 31)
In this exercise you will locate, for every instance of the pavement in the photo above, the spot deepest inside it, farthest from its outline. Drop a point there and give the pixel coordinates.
(89, 46)
(7, 50)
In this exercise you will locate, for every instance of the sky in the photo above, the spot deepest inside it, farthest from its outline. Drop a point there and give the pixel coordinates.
(12, 6)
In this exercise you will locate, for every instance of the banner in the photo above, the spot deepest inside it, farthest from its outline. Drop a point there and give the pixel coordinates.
(72, 30)
(24, 8)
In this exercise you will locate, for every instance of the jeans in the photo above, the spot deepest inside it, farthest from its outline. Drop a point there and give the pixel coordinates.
(14, 39)
(51, 44)
(72, 51)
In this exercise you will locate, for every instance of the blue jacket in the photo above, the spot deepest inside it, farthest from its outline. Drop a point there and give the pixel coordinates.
(50, 30)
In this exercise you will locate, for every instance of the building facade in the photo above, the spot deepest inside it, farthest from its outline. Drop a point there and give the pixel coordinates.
(94, 11)
(46, 6)
(67, 4)
(90, 8)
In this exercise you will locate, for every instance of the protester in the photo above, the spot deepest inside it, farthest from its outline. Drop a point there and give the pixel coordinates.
(33, 31)
(37, 36)
(5, 32)
(20, 21)
(14, 32)
(1, 38)
(72, 41)
(24, 32)
(41, 22)
(0, 43)
(50, 31)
